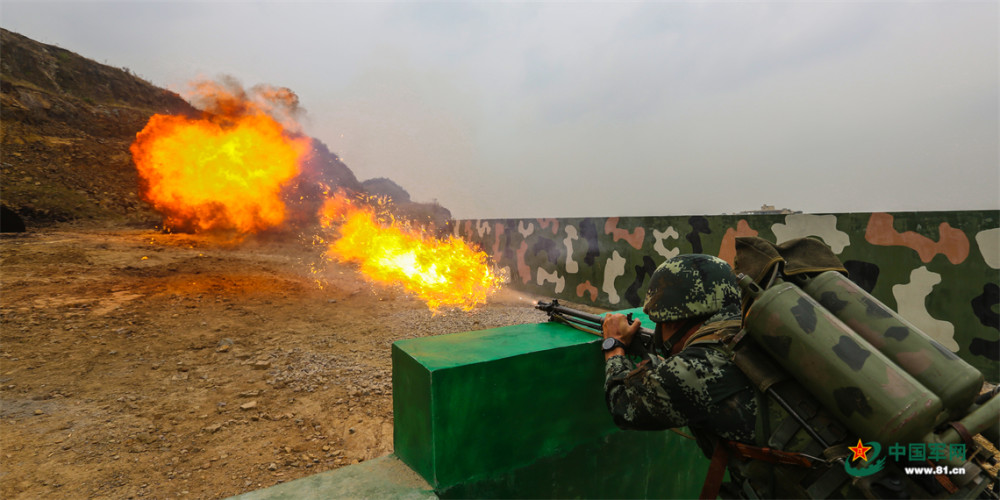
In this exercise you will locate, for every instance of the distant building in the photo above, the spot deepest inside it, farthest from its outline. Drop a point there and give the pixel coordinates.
(770, 210)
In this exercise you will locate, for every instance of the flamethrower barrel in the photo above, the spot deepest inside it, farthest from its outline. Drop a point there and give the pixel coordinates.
(592, 323)
(594, 328)
(561, 313)
(554, 308)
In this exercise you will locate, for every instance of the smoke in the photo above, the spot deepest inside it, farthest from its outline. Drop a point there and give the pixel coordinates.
(225, 100)
(227, 97)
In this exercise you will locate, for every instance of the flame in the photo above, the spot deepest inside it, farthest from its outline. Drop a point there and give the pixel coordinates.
(220, 171)
(443, 273)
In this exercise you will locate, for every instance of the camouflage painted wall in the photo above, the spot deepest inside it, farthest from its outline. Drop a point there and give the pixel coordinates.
(939, 270)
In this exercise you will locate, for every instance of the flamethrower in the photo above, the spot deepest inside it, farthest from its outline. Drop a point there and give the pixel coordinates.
(644, 344)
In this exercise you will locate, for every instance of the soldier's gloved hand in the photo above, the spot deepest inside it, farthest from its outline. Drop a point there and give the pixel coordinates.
(617, 326)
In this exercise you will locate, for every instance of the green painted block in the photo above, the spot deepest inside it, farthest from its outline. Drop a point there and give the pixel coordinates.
(520, 411)
(629, 464)
(475, 403)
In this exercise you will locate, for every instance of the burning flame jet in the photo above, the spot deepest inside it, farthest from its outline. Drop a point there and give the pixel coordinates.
(443, 273)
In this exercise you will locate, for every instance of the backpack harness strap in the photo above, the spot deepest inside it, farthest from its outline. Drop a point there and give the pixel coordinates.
(716, 471)
(771, 455)
(743, 451)
(715, 332)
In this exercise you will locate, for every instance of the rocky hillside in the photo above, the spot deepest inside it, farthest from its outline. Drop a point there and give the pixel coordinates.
(67, 123)
(431, 215)
(382, 186)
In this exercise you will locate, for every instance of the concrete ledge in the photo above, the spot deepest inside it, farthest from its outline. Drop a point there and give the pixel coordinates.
(383, 477)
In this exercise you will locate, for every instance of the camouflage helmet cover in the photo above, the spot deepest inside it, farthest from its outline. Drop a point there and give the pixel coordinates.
(689, 286)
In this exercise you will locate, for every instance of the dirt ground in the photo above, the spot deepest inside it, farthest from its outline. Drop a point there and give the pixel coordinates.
(140, 364)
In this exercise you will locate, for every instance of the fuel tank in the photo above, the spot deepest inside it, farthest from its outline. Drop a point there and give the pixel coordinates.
(938, 369)
(873, 396)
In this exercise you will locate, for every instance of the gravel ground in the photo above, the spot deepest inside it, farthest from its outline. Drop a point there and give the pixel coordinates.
(140, 364)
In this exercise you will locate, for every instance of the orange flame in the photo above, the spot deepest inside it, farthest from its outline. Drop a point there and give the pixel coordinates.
(218, 171)
(443, 273)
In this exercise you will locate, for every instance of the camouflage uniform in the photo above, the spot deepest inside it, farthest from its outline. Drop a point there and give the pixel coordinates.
(698, 387)
(701, 387)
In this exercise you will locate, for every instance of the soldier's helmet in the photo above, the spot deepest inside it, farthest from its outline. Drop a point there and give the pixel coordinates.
(689, 286)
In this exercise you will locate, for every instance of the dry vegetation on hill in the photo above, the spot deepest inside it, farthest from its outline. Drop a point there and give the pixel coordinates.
(135, 363)
(67, 125)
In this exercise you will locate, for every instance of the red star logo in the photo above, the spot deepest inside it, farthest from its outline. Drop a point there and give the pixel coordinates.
(860, 451)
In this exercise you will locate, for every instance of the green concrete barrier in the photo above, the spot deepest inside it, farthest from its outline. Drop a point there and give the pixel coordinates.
(519, 412)
(513, 412)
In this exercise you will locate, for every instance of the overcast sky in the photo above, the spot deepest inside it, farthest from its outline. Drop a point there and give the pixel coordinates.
(534, 109)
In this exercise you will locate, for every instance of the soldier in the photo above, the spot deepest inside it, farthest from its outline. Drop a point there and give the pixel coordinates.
(695, 302)
(782, 444)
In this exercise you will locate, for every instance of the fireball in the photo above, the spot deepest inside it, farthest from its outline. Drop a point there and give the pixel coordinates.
(443, 273)
(217, 172)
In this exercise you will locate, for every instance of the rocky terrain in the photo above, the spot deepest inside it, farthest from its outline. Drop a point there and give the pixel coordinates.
(136, 363)
(140, 364)
(67, 126)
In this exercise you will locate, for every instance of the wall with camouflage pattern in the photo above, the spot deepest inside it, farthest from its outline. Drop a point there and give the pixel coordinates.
(939, 270)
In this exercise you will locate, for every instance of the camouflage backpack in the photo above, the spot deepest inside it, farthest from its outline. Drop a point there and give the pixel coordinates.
(837, 368)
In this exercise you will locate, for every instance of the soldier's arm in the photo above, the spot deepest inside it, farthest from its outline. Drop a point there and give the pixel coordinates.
(649, 399)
